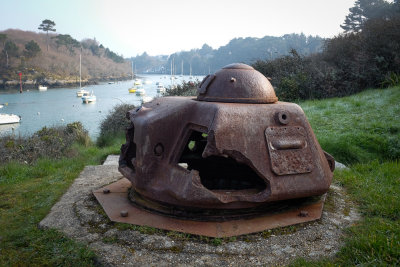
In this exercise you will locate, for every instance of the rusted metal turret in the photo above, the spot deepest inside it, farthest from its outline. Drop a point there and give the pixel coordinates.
(233, 154)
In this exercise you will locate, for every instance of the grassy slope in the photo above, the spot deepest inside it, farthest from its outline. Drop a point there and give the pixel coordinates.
(364, 130)
(358, 128)
(361, 128)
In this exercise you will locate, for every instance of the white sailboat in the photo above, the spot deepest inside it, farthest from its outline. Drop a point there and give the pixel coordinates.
(182, 69)
(190, 77)
(160, 88)
(140, 91)
(88, 97)
(81, 90)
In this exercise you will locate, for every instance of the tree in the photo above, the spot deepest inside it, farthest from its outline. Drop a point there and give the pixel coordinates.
(67, 41)
(364, 10)
(10, 49)
(3, 38)
(46, 26)
(31, 49)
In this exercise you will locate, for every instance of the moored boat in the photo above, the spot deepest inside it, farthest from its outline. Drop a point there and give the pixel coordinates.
(9, 118)
(160, 88)
(81, 92)
(88, 97)
(42, 88)
(140, 91)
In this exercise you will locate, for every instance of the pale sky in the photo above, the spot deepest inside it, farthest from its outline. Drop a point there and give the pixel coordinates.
(131, 27)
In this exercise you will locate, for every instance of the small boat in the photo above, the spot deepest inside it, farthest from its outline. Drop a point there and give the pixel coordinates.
(140, 91)
(42, 88)
(88, 97)
(190, 72)
(81, 92)
(1, 106)
(160, 88)
(9, 118)
(136, 85)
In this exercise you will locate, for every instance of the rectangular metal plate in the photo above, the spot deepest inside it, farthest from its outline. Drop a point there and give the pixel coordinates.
(289, 150)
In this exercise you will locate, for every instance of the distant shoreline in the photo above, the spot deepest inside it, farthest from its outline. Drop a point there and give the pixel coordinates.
(29, 84)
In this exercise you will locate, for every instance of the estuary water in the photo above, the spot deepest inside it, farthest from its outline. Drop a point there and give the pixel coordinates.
(60, 106)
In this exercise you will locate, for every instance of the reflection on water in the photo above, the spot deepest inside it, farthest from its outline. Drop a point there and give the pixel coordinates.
(61, 106)
(8, 128)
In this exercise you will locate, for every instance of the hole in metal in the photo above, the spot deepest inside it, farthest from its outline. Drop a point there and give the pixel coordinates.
(218, 172)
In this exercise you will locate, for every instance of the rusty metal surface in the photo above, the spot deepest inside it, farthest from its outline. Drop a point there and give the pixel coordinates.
(237, 83)
(234, 153)
(120, 209)
(201, 159)
(289, 151)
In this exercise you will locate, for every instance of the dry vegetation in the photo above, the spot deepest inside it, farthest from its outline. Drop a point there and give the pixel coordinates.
(59, 62)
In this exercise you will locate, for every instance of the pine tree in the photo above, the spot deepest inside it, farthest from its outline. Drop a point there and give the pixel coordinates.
(46, 26)
(364, 10)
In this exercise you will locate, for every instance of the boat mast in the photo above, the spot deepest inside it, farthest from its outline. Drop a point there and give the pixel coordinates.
(132, 69)
(80, 71)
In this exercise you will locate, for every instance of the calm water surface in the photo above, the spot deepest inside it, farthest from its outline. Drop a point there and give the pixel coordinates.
(61, 105)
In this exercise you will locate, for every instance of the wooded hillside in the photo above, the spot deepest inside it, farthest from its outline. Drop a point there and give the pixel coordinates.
(26, 52)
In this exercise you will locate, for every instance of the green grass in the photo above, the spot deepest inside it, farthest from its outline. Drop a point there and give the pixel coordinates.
(376, 239)
(358, 128)
(27, 193)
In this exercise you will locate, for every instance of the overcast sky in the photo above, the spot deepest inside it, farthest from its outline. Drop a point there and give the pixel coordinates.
(130, 27)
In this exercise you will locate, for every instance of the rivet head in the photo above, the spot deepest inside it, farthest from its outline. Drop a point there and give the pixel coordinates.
(106, 191)
(124, 213)
(303, 213)
(283, 117)
(158, 149)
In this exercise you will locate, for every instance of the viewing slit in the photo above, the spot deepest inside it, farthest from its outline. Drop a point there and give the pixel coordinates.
(218, 172)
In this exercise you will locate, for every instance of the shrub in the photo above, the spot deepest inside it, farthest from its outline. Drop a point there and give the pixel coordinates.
(349, 63)
(114, 124)
(53, 142)
(183, 89)
(391, 79)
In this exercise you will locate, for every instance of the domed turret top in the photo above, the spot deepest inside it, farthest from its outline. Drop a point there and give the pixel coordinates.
(236, 83)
